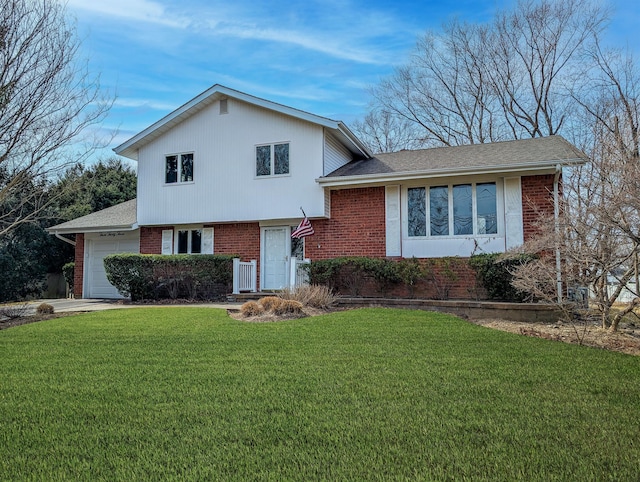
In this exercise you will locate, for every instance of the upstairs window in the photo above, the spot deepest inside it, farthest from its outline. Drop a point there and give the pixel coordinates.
(458, 210)
(272, 159)
(179, 168)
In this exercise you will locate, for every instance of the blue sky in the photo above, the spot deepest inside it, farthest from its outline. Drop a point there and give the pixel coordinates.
(315, 55)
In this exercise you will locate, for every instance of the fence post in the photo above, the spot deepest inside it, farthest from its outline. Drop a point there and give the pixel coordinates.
(236, 276)
(254, 276)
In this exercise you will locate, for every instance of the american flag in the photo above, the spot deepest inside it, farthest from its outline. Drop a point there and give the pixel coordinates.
(303, 229)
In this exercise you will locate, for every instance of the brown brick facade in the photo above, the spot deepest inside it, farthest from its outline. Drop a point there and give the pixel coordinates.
(151, 239)
(356, 227)
(78, 269)
(537, 200)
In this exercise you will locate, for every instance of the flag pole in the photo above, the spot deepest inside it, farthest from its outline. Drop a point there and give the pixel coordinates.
(305, 214)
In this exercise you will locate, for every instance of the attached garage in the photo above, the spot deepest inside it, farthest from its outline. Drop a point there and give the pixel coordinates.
(97, 235)
(97, 247)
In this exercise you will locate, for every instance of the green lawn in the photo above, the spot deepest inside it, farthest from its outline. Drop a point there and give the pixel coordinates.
(189, 393)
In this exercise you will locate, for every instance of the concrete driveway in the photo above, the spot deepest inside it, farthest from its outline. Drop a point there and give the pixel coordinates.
(69, 305)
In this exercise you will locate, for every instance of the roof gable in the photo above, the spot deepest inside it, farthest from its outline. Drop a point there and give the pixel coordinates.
(217, 92)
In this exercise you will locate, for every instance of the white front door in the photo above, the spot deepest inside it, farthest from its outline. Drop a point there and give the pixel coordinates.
(275, 257)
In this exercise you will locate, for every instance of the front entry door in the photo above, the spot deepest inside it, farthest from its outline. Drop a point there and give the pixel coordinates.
(275, 261)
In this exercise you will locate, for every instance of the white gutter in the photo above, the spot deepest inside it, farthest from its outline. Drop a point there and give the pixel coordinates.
(66, 240)
(409, 175)
(556, 218)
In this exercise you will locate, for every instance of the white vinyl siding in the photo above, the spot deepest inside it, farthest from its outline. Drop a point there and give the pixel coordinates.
(226, 188)
(335, 154)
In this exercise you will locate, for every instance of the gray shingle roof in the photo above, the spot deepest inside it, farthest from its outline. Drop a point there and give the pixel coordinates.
(121, 216)
(507, 155)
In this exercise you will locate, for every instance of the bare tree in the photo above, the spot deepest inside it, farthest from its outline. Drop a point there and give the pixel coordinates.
(381, 131)
(48, 103)
(535, 58)
(600, 235)
(508, 79)
(444, 91)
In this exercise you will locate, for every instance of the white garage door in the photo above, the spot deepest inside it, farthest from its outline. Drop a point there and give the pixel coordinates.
(96, 283)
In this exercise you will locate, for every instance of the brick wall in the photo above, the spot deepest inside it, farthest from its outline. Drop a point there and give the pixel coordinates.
(78, 270)
(242, 239)
(356, 227)
(151, 239)
(537, 200)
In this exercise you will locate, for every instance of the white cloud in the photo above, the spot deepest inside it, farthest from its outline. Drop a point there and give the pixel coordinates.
(138, 10)
(338, 49)
(146, 103)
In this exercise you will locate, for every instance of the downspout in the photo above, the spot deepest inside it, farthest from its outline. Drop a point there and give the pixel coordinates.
(556, 218)
(66, 240)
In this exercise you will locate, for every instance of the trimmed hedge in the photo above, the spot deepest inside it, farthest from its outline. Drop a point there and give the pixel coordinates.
(155, 276)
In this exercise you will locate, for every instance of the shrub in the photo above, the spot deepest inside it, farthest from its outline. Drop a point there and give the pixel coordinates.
(494, 273)
(251, 308)
(68, 272)
(315, 296)
(443, 273)
(411, 271)
(45, 309)
(270, 303)
(349, 274)
(287, 307)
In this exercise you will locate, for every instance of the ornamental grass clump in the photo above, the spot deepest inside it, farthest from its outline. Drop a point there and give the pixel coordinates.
(314, 296)
(45, 309)
(288, 307)
(251, 308)
(270, 303)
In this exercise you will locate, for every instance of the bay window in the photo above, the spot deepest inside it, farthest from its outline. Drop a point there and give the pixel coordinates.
(454, 209)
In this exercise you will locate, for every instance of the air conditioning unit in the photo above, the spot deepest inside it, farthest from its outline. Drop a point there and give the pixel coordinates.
(579, 295)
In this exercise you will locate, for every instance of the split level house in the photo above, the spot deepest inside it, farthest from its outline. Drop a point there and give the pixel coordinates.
(230, 173)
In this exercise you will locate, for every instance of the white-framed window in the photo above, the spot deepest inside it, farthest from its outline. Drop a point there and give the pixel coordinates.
(272, 159)
(178, 168)
(463, 209)
(187, 240)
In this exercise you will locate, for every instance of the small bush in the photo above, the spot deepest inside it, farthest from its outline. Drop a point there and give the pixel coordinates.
(68, 272)
(287, 307)
(251, 308)
(270, 303)
(45, 309)
(315, 296)
(494, 274)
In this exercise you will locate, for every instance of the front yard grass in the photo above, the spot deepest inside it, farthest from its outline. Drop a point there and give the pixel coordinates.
(189, 393)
